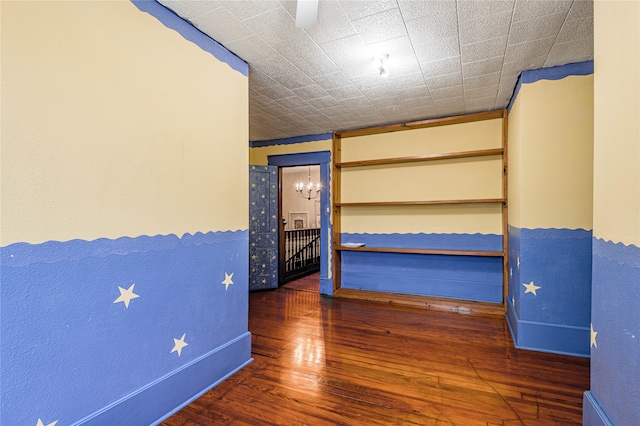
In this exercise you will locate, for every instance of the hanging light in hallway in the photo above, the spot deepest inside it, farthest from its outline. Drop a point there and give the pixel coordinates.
(308, 190)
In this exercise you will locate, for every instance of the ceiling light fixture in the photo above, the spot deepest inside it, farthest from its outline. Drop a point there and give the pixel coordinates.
(379, 64)
(306, 190)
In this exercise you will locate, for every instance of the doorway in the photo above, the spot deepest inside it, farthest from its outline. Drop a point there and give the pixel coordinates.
(300, 229)
(318, 215)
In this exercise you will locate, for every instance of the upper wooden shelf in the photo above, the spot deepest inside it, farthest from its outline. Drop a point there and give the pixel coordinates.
(421, 158)
(421, 203)
(435, 122)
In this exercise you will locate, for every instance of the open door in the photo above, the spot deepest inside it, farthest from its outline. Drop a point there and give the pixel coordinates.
(263, 227)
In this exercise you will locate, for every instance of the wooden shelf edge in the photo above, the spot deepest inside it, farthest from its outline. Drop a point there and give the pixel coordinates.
(465, 307)
(448, 252)
(442, 121)
(421, 158)
(420, 203)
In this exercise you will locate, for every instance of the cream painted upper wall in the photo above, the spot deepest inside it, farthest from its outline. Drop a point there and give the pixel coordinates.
(116, 130)
(616, 215)
(457, 219)
(453, 138)
(258, 156)
(466, 178)
(515, 173)
(551, 154)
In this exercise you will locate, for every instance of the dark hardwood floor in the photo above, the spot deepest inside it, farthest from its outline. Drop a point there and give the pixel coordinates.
(322, 361)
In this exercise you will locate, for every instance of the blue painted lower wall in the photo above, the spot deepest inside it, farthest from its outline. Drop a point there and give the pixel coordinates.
(458, 277)
(120, 331)
(615, 354)
(549, 298)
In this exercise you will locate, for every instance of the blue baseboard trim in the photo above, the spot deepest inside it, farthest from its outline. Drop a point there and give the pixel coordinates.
(592, 413)
(546, 337)
(326, 286)
(167, 395)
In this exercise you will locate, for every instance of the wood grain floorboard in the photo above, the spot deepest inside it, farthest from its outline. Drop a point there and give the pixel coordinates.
(323, 361)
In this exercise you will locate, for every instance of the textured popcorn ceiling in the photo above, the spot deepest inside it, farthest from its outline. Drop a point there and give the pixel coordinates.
(446, 57)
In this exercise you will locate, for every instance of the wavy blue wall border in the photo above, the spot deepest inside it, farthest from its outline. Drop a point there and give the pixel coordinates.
(24, 254)
(552, 73)
(170, 20)
(292, 140)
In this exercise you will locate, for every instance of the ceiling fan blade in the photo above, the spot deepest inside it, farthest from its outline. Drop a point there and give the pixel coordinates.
(306, 13)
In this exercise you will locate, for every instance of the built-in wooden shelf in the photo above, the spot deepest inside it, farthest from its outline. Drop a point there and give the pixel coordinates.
(421, 158)
(486, 253)
(420, 203)
(425, 160)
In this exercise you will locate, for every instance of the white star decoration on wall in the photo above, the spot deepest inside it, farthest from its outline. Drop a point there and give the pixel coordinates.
(593, 338)
(126, 296)
(178, 344)
(531, 288)
(227, 280)
(518, 262)
(41, 423)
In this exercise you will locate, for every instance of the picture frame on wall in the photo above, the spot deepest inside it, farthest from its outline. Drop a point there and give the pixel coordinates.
(298, 220)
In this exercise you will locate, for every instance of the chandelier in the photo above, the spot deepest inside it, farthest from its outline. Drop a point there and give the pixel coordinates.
(308, 190)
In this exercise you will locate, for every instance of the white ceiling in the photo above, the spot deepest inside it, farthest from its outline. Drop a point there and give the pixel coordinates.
(447, 57)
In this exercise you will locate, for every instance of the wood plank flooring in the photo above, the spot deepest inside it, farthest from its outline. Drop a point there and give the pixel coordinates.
(309, 283)
(322, 361)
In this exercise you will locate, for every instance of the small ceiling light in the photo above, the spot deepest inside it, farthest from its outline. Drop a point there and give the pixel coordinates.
(379, 63)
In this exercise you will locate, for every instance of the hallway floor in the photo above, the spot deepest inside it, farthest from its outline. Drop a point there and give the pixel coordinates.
(323, 361)
(308, 283)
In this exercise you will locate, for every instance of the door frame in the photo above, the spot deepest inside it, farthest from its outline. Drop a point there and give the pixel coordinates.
(323, 159)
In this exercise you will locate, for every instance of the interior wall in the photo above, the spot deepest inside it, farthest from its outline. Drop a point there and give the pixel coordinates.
(463, 227)
(615, 317)
(124, 214)
(550, 209)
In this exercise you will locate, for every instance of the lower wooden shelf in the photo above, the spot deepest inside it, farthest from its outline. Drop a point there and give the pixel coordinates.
(485, 253)
(465, 307)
